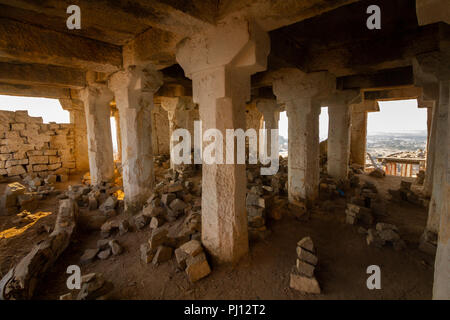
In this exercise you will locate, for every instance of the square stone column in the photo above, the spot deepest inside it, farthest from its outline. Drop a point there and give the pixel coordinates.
(301, 93)
(435, 68)
(78, 119)
(358, 137)
(133, 90)
(431, 91)
(96, 99)
(220, 62)
(181, 112)
(271, 115)
(339, 131)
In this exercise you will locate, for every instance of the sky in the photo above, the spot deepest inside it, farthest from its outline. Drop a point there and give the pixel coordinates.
(394, 116)
(49, 109)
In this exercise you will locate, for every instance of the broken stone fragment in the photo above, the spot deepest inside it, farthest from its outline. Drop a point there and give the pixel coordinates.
(373, 239)
(192, 248)
(13, 190)
(109, 204)
(177, 206)
(67, 296)
(116, 248)
(388, 235)
(181, 258)
(163, 254)
(174, 187)
(254, 200)
(89, 256)
(147, 253)
(108, 228)
(167, 198)
(156, 222)
(104, 254)
(386, 226)
(197, 267)
(124, 226)
(94, 288)
(141, 220)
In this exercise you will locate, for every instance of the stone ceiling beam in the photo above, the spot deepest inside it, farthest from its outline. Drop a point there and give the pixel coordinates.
(38, 74)
(176, 16)
(431, 11)
(25, 90)
(385, 78)
(370, 55)
(30, 44)
(394, 94)
(282, 13)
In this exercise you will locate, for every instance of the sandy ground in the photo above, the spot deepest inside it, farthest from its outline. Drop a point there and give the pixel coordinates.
(264, 274)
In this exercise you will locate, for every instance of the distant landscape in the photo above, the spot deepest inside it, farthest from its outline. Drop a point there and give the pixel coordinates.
(381, 144)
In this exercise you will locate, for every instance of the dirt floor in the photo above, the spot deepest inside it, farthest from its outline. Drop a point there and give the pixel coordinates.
(343, 259)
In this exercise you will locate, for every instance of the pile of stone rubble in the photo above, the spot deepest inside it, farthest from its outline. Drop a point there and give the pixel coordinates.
(405, 193)
(302, 275)
(93, 287)
(26, 195)
(384, 234)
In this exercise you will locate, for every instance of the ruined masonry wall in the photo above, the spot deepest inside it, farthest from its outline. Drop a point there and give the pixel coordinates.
(27, 145)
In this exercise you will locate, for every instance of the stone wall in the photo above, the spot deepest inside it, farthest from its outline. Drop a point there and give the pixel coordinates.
(28, 145)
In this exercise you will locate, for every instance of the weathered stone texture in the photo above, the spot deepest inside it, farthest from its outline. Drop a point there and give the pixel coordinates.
(29, 145)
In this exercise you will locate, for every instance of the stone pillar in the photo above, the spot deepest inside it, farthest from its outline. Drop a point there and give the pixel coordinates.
(133, 90)
(181, 112)
(339, 132)
(431, 150)
(220, 62)
(435, 67)
(115, 114)
(301, 94)
(271, 114)
(78, 119)
(96, 99)
(358, 138)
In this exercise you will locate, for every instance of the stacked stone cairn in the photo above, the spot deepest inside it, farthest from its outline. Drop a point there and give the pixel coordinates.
(302, 275)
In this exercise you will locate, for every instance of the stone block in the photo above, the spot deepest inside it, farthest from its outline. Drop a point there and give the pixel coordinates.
(306, 256)
(147, 253)
(303, 283)
(197, 267)
(306, 243)
(192, 248)
(40, 167)
(38, 159)
(15, 171)
(305, 268)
